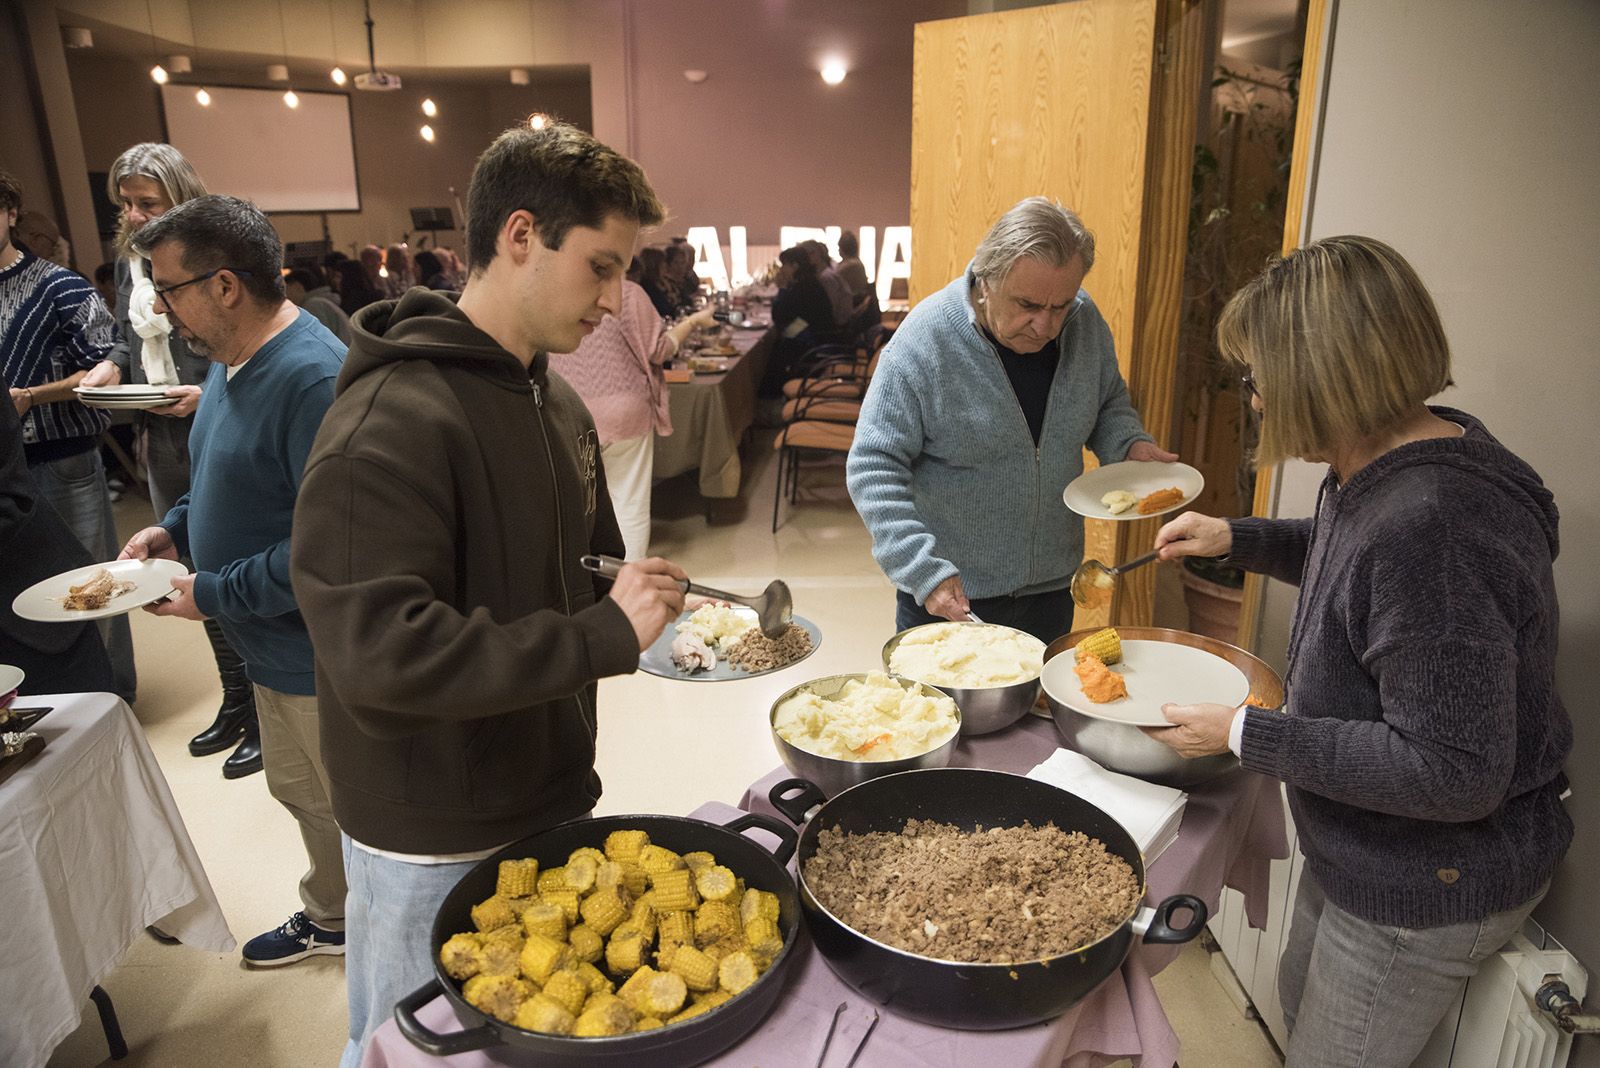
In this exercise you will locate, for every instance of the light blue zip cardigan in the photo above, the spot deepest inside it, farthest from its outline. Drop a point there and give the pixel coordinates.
(944, 470)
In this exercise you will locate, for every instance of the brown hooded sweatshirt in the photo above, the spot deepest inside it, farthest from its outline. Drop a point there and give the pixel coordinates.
(437, 536)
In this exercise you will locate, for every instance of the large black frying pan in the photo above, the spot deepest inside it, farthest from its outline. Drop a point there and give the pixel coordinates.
(675, 1046)
(973, 997)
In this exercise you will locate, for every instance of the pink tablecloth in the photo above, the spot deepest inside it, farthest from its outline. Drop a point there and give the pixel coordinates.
(1232, 828)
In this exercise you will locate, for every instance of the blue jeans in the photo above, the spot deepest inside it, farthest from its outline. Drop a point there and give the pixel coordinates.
(1358, 994)
(76, 487)
(1046, 616)
(388, 923)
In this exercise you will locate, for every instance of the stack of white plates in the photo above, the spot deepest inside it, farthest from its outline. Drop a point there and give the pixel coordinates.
(136, 395)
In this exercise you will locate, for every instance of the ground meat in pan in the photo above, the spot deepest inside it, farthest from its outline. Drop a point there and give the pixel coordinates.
(996, 896)
(754, 651)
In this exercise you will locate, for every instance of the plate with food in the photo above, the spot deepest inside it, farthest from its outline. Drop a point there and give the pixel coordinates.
(1133, 489)
(98, 591)
(1128, 680)
(719, 642)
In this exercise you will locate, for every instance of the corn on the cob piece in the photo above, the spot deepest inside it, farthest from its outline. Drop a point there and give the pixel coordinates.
(518, 878)
(725, 945)
(631, 990)
(566, 899)
(654, 858)
(647, 1023)
(545, 1014)
(625, 951)
(603, 910)
(587, 945)
(491, 913)
(545, 919)
(542, 955)
(712, 998)
(635, 878)
(586, 851)
(602, 998)
(662, 995)
(580, 872)
(567, 990)
(698, 859)
(675, 926)
(715, 883)
(737, 971)
(519, 905)
(498, 995)
(758, 903)
(697, 1009)
(664, 952)
(624, 846)
(459, 956)
(713, 920)
(608, 873)
(552, 879)
(675, 890)
(609, 1018)
(1106, 644)
(499, 955)
(593, 977)
(766, 941)
(698, 970)
(643, 917)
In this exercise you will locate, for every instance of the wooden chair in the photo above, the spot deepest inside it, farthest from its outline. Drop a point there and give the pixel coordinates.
(821, 417)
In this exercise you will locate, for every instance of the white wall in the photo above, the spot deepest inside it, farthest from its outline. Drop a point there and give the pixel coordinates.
(1471, 144)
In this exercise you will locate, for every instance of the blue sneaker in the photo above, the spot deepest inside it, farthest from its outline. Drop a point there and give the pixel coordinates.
(297, 939)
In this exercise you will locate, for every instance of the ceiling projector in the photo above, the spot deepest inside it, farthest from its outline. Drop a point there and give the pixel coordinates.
(378, 81)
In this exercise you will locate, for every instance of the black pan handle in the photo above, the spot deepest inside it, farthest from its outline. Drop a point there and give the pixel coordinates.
(431, 1042)
(787, 839)
(807, 796)
(1157, 926)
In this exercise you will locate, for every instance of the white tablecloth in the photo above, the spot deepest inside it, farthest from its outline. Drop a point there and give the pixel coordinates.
(91, 850)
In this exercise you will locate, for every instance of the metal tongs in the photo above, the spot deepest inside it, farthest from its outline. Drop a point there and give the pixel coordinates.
(828, 1041)
(1093, 581)
(774, 608)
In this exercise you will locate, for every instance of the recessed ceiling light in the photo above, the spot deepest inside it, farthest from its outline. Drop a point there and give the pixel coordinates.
(338, 75)
(427, 133)
(833, 71)
(429, 108)
(202, 97)
(696, 76)
(158, 74)
(290, 99)
(538, 120)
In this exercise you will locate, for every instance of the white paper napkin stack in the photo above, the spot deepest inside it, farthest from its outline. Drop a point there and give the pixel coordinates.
(1149, 812)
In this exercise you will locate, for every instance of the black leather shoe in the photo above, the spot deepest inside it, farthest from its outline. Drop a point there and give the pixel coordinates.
(246, 760)
(237, 712)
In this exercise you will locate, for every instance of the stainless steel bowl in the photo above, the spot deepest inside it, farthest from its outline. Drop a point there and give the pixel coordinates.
(833, 775)
(1124, 747)
(986, 709)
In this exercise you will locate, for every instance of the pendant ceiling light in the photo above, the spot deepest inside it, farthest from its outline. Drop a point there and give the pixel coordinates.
(158, 73)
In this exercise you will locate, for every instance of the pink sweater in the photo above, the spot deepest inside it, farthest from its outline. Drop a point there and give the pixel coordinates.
(617, 370)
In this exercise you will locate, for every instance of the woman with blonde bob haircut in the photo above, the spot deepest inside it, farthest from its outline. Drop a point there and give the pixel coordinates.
(146, 182)
(1423, 742)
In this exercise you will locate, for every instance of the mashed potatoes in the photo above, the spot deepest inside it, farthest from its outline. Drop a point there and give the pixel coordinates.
(968, 655)
(875, 718)
(718, 623)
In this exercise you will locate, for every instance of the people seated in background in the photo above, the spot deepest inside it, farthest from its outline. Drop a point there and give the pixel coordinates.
(371, 257)
(652, 278)
(435, 270)
(682, 282)
(356, 290)
(454, 274)
(40, 235)
(617, 372)
(802, 314)
(401, 275)
(838, 290)
(310, 292)
(850, 268)
(53, 329)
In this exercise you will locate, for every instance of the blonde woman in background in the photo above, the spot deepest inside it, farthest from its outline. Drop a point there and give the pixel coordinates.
(146, 182)
(1424, 740)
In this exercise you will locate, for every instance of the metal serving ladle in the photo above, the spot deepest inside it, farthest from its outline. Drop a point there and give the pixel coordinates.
(1093, 582)
(774, 608)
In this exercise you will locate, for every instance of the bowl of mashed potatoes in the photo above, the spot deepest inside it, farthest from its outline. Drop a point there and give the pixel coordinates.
(841, 730)
(991, 672)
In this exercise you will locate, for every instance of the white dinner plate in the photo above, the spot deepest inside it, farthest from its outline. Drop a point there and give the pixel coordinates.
(152, 580)
(11, 677)
(132, 389)
(657, 660)
(125, 397)
(1156, 673)
(1138, 477)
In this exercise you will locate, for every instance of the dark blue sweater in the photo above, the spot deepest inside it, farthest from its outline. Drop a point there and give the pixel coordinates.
(248, 450)
(1424, 741)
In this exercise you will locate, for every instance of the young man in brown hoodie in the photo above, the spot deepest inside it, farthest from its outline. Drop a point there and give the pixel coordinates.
(453, 487)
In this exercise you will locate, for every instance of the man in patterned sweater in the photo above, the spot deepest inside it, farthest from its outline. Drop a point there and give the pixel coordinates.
(53, 328)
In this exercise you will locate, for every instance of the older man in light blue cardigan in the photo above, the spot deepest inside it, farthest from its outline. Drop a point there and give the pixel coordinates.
(975, 422)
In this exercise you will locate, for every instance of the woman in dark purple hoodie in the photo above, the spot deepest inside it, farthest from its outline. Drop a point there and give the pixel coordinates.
(1423, 743)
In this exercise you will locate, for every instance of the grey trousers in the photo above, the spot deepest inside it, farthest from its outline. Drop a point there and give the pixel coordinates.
(1358, 994)
(291, 756)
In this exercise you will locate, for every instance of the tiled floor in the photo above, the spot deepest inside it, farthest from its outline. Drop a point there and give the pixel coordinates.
(664, 747)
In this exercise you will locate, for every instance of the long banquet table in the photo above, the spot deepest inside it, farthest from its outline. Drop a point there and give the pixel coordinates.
(92, 849)
(709, 417)
(1233, 827)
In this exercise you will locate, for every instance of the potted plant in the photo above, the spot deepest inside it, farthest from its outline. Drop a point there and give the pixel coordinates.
(1239, 187)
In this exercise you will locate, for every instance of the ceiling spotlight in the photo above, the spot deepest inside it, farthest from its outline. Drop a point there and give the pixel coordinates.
(202, 97)
(695, 76)
(338, 75)
(290, 99)
(158, 74)
(519, 76)
(833, 71)
(277, 72)
(179, 64)
(427, 133)
(429, 108)
(538, 120)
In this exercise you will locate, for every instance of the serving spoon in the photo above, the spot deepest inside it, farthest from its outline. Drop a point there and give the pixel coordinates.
(1093, 582)
(774, 608)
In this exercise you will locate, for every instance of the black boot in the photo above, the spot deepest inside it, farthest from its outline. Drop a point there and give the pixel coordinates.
(246, 760)
(238, 699)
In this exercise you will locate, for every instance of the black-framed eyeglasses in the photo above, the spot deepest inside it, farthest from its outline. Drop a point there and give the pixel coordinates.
(165, 291)
(1249, 380)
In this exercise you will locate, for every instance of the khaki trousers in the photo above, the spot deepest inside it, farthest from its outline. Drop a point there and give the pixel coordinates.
(291, 755)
